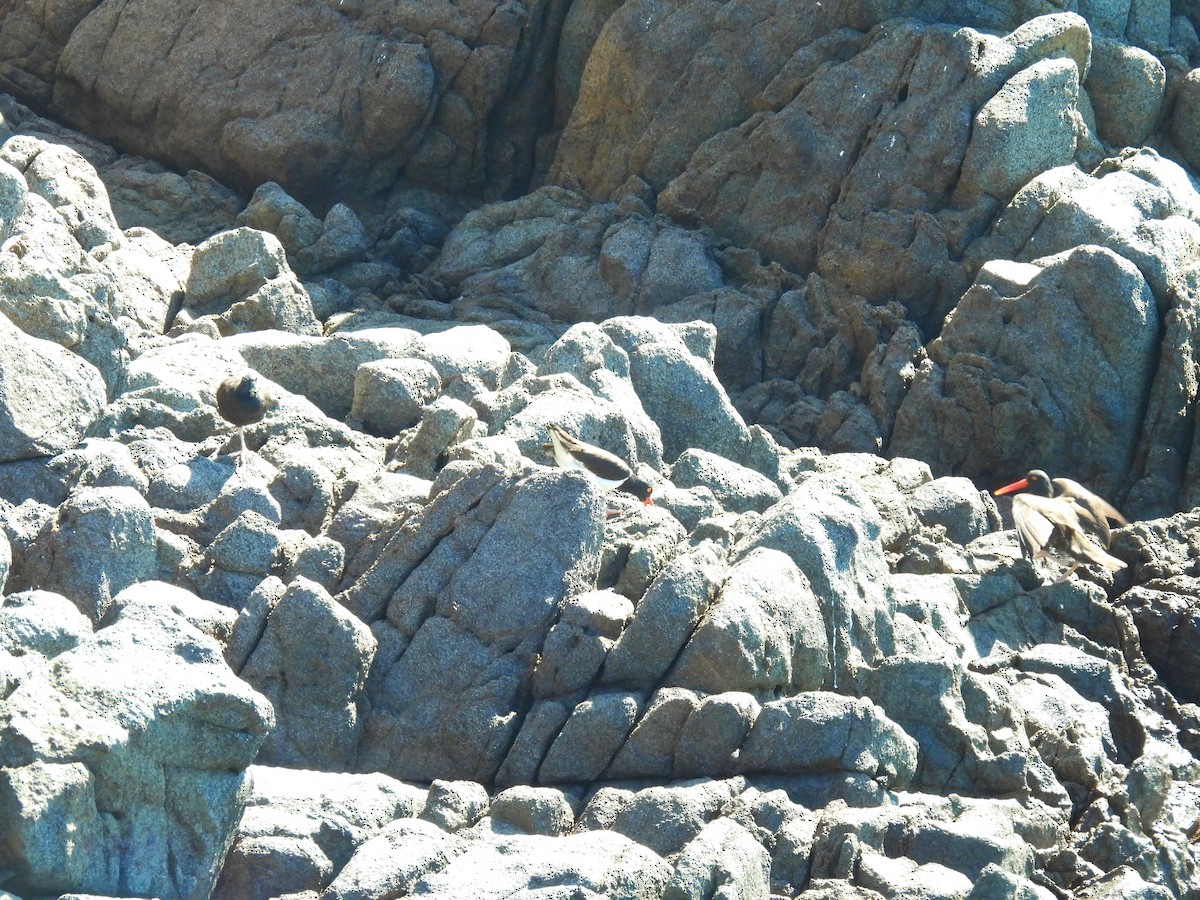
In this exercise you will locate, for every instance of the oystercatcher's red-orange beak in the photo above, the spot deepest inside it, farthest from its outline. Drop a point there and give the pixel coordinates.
(1009, 488)
(648, 502)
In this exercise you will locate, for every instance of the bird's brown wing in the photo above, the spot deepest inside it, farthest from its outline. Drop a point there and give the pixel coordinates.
(1040, 520)
(1034, 526)
(1095, 511)
(603, 464)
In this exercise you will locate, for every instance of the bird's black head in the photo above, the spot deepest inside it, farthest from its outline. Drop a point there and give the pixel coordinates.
(640, 489)
(1035, 480)
(247, 388)
(1039, 483)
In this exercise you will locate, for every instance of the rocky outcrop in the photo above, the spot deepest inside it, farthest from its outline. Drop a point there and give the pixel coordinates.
(392, 649)
(120, 779)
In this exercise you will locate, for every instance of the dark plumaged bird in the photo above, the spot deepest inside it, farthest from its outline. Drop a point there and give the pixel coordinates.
(1062, 514)
(605, 469)
(243, 400)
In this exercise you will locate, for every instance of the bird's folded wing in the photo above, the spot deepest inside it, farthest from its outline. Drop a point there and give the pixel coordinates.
(1033, 526)
(1093, 503)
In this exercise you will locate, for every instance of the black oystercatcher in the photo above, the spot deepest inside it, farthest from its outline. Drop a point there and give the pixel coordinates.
(1071, 519)
(243, 400)
(605, 469)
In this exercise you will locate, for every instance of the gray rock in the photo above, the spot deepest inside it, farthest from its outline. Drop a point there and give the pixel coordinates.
(312, 246)
(162, 744)
(723, 858)
(1168, 624)
(39, 801)
(602, 612)
(792, 853)
(70, 185)
(1021, 380)
(250, 544)
(40, 622)
(45, 304)
(574, 261)
(13, 189)
(1074, 743)
(537, 401)
(679, 390)
(103, 541)
(445, 422)
(385, 564)
(736, 487)
(102, 463)
(570, 659)
(245, 490)
(376, 500)
(242, 277)
(664, 619)
(534, 810)
(272, 209)
(764, 632)
(578, 644)
(210, 618)
(687, 507)
(312, 662)
(467, 351)
(1027, 127)
(591, 356)
(636, 548)
(455, 805)
(540, 727)
(893, 876)
(1139, 206)
(996, 884)
(322, 369)
(591, 864)
(590, 738)
(5, 559)
(477, 597)
(831, 531)
(321, 559)
(1126, 86)
(251, 621)
(650, 749)
(895, 511)
(713, 734)
(390, 395)
(301, 827)
(394, 860)
(48, 395)
(663, 817)
(958, 506)
(1184, 132)
(343, 240)
(822, 732)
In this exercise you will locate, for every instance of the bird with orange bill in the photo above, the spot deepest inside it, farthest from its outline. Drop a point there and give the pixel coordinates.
(1061, 515)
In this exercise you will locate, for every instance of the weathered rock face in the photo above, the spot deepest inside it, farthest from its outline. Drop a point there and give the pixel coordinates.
(391, 648)
(1024, 344)
(142, 765)
(401, 90)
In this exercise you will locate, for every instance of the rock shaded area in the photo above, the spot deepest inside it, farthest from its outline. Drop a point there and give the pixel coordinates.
(394, 650)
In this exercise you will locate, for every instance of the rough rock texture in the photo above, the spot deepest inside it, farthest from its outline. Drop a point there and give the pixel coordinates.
(823, 274)
(142, 764)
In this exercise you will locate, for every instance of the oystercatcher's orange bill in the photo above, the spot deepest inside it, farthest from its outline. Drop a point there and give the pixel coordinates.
(1009, 488)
